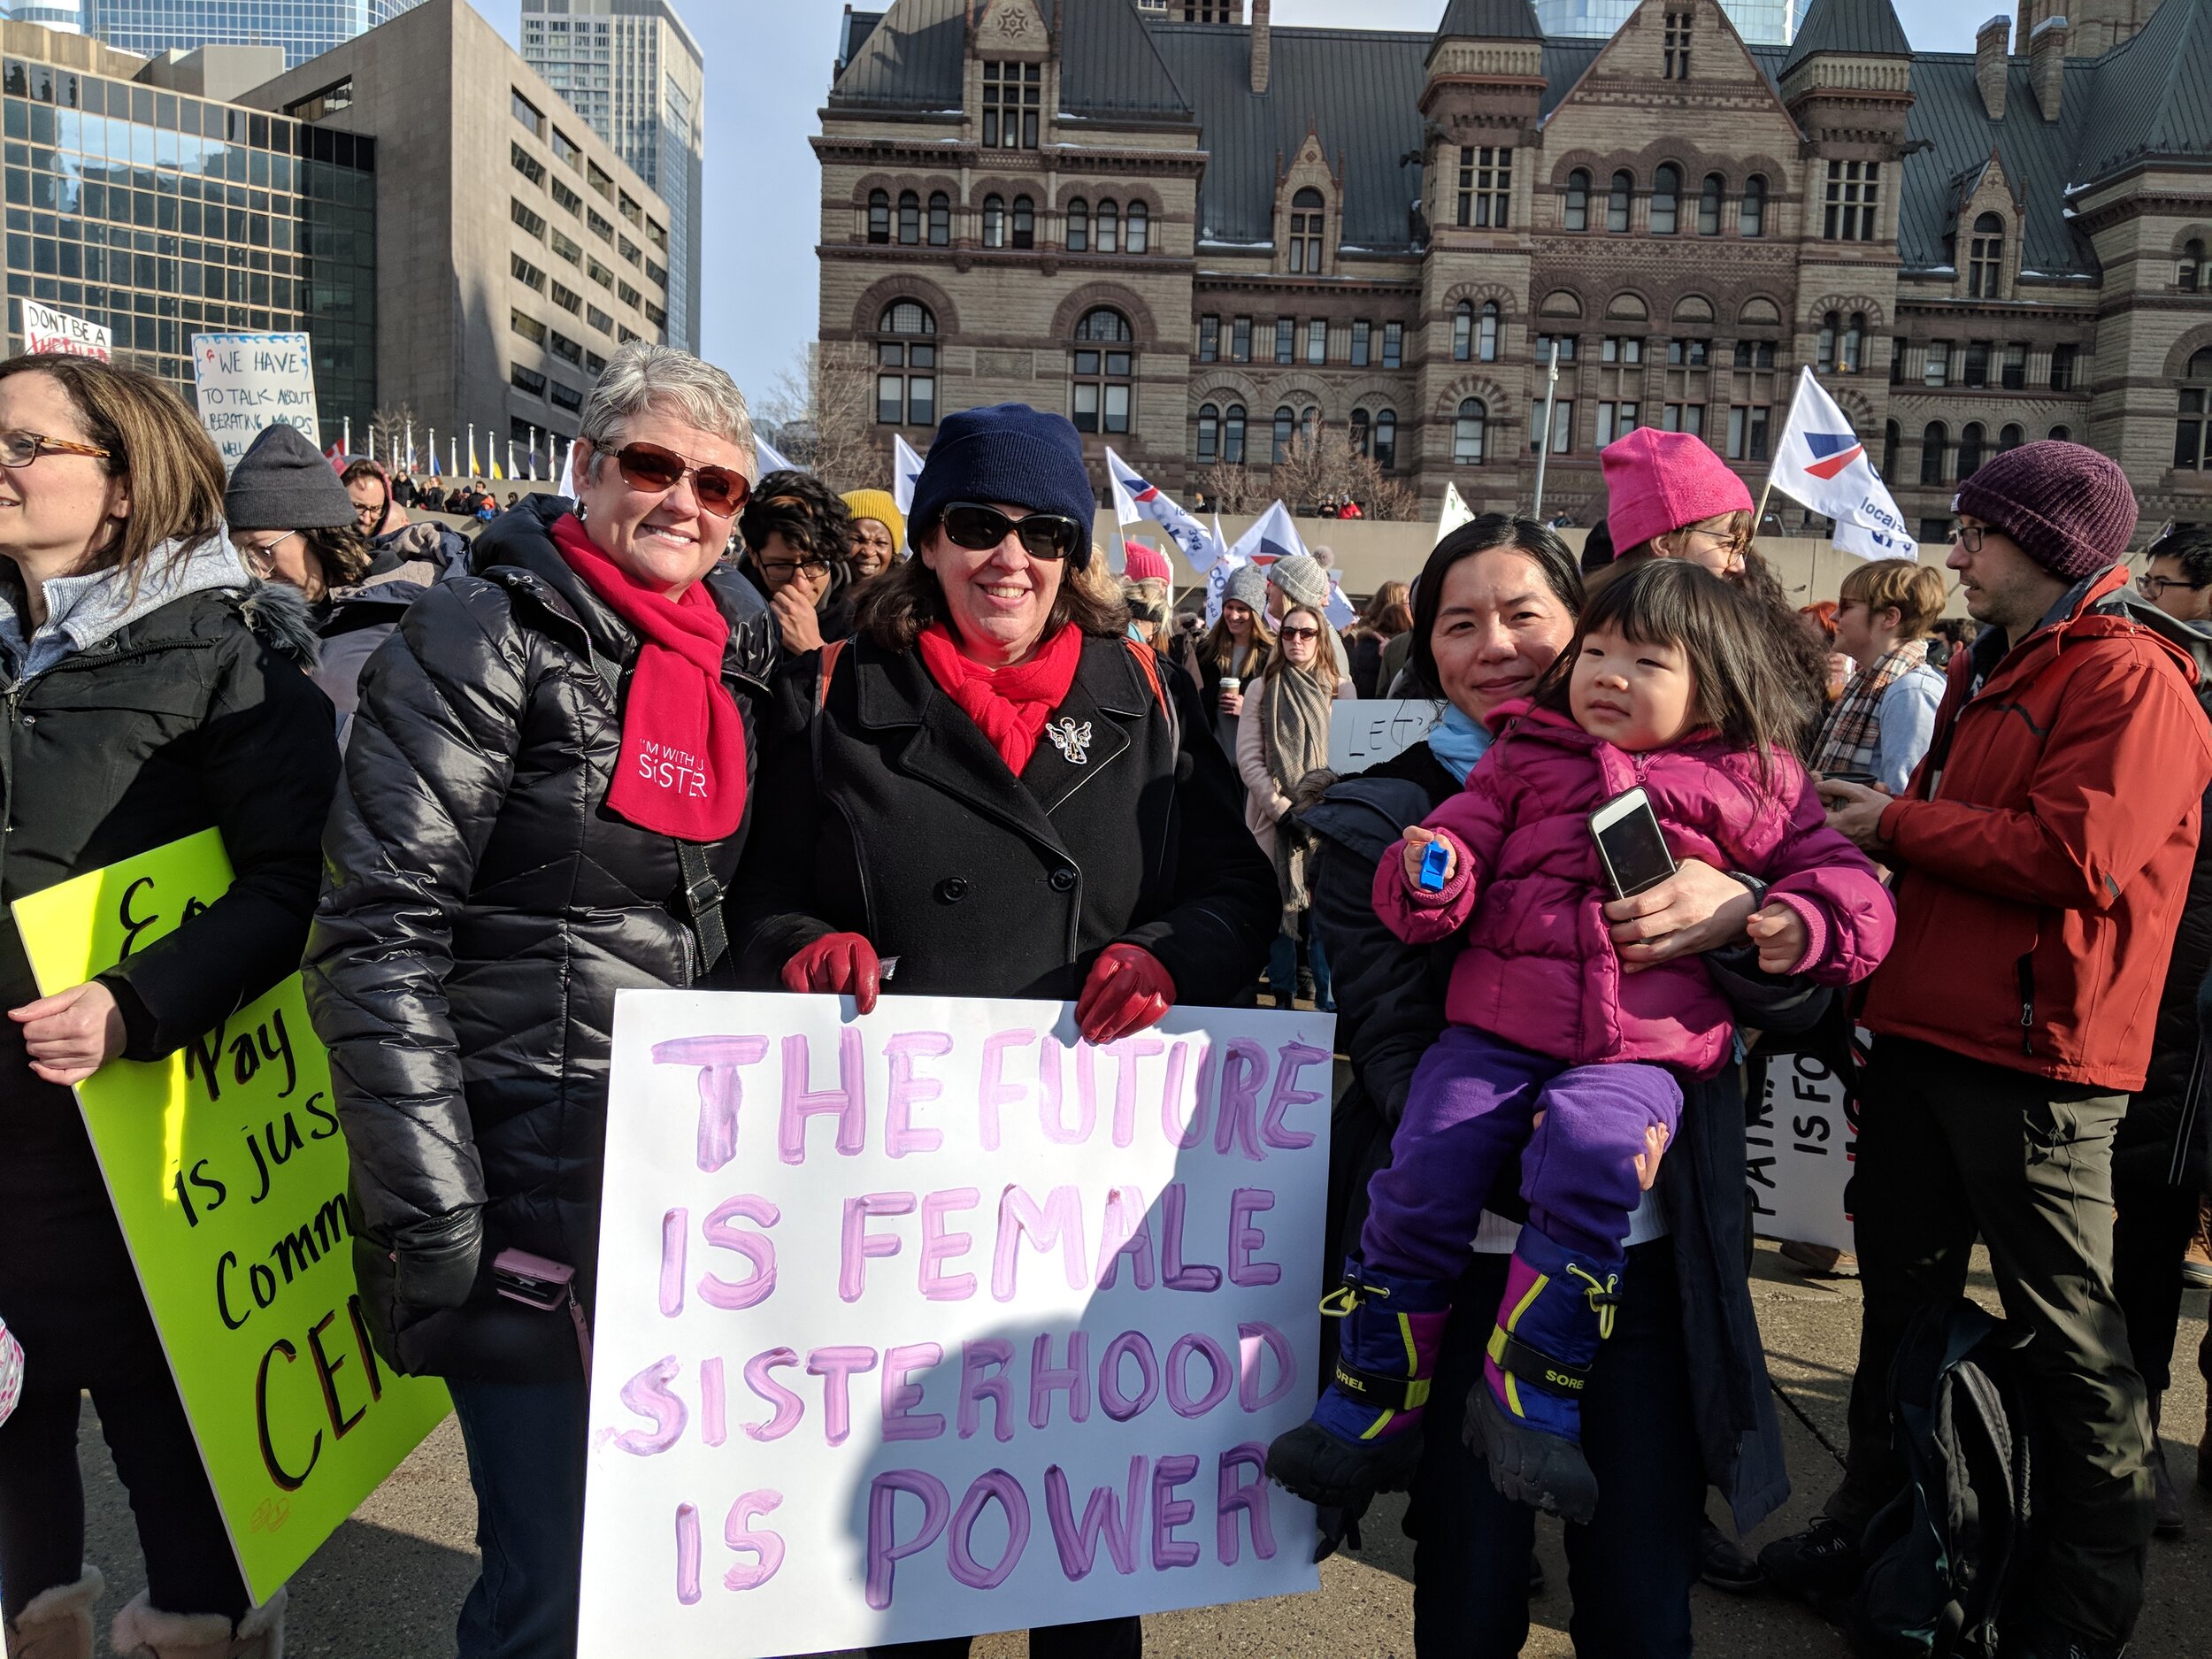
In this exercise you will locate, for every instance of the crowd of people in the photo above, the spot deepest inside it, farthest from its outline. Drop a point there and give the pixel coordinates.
(699, 726)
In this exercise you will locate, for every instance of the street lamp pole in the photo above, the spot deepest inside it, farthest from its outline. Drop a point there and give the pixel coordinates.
(1543, 438)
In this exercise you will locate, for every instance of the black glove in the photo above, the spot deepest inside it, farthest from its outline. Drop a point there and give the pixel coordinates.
(437, 1259)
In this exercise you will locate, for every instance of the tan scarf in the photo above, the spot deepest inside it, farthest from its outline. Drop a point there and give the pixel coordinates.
(1294, 721)
(1851, 742)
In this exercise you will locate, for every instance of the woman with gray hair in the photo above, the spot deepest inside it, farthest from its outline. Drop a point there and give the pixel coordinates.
(546, 785)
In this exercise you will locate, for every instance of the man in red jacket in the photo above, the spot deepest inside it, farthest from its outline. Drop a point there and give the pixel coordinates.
(2043, 848)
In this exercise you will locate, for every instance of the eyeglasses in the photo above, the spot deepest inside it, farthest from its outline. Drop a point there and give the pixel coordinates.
(1044, 536)
(20, 449)
(784, 570)
(2155, 587)
(1969, 536)
(720, 491)
(261, 560)
(1298, 633)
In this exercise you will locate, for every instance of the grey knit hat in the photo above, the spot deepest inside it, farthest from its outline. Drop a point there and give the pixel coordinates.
(1302, 581)
(1247, 586)
(282, 483)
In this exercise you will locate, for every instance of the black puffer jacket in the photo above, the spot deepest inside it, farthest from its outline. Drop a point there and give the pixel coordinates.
(895, 819)
(481, 909)
(194, 715)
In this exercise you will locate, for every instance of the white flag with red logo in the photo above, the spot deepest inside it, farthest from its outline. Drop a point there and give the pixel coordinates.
(1820, 462)
(1138, 501)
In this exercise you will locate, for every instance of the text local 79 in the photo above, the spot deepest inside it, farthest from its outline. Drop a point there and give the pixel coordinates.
(1242, 1097)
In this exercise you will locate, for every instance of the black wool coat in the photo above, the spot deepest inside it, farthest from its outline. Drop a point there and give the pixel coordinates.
(195, 716)
(894, 818)
(481, 909)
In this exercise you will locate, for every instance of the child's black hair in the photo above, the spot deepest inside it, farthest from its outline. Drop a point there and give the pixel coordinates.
(1746, 687)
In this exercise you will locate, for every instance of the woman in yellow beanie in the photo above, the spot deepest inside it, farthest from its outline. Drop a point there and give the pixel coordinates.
(879, 528)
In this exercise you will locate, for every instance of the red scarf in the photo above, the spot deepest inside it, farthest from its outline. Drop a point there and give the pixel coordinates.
(1009, 705)
(682, 766)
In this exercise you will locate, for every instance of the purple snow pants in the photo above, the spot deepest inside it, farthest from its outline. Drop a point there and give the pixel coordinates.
(1469, 1108)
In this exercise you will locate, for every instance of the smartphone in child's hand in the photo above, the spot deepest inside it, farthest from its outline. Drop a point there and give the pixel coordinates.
(1631, 845)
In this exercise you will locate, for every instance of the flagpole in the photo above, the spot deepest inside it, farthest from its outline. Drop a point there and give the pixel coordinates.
(1543, 440)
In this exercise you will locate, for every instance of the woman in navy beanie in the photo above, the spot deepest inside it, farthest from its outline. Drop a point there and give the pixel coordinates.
(994, 785)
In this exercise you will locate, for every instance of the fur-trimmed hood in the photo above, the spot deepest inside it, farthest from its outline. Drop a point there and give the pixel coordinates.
(278, 614)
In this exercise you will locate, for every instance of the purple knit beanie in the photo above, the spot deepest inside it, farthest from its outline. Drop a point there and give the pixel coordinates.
(1659, 481)
(2069, 508)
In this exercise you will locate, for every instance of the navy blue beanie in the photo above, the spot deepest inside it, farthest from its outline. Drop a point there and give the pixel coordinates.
(1010, 453)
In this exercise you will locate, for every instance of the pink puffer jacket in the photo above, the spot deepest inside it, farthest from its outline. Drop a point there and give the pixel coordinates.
(1539, 967)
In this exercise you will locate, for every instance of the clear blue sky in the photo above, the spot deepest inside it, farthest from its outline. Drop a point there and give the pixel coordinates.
(768, 66)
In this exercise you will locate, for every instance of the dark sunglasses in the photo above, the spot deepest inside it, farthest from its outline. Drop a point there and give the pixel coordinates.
(647, 465)
(1044, 536)
(1298, 633)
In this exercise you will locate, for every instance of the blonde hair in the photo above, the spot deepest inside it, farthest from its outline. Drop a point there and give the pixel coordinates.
(1914, 592)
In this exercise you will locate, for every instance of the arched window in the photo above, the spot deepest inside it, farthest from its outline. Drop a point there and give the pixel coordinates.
(2192, 432)
(906, 365)
(1467, 432)
(1361, 432)
(1387, 439)
(1309, 423)
(1666, 200)
(1971, 440)
(1102, 368)
(1209, 433)
(1233, 435)
(1825, 357)
(1851, 348)
(1893, 438)
(1285, 428)
(1709, 203)
(1024, 222)
(1462, 331)
(1108, 226)
(2011, 438)
(1617, 204)
(1486, 335)
(1079, 226)
(1985, 260)
(880, 216)
(995, 221)
(2061, 434)
(1307, 218)
(909, 218)
(2189, 274)
(940, 220)
(1575, 212)
(1934, 440)
(1751, 212)
(1137, 226)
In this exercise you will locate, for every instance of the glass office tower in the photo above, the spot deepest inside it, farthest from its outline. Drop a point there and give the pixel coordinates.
(162, 216)
(1761, 22)
(304, 28)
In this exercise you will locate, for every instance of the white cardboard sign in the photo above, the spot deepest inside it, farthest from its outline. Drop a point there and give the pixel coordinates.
(249, 381)
(938, 1322)
(1369, 730)
(46, 329)
(1800, 1147)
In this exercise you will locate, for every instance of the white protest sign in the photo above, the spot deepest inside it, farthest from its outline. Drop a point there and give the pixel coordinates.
(1799, 1148)
(46, 329)
(938, 1322)
(1368, 730)
(249, 381)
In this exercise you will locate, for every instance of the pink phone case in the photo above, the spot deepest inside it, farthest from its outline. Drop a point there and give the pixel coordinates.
(558, 1275)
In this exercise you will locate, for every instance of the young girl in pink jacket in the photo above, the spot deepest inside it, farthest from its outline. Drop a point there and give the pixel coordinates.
(1675, 683)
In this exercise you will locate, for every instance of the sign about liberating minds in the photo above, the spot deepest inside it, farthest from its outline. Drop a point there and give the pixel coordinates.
(228, 1174)
(249, 381)
(939, 1321)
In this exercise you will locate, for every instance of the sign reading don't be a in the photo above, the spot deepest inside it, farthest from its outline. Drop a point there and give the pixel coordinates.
(939, 1321)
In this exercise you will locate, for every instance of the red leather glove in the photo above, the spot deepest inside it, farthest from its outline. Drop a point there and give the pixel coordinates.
(844, 964)
(1128, 990)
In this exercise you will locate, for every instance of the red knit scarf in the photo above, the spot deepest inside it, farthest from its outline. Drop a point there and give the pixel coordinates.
(681, 771)
(1009, 705)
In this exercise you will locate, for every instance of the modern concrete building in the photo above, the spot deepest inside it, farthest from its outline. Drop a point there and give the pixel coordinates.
(302, 27)
(159, 214)
(515, 249)
(633, 71)
(1200, 238)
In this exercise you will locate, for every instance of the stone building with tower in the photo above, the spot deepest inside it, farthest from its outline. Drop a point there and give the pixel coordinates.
(1199, 234)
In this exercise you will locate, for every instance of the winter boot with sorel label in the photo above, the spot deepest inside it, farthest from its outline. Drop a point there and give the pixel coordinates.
(1364, 1435)
(1525, 1416)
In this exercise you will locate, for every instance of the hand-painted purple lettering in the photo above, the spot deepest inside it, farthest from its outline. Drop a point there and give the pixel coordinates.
(940, 1246)
(1223, 1375)
(1052, 1093)
(847, 1102)
(714, 1405)
(1059, 1221)
(1256, 1339)
(1108, 1516)
(1244, 1238)
(755, 1248)
(1125, 1232)
(856, 1244)
(675, 1247)
(721, 1088)
(1172, 1124)
(992, 1091)
(1290, 1060)
(1243, 1069)
(1173, 1271)
(687, 1554)
(907, 1091)
(740, 1533)
(648, 1395)
(836, 1366)
(1129, 1345)
(997, 1354)
(1127, 1051)
(1169, 1512)
(992, 1484)
(885, 1549)
(901, 1395)
(1073, 1380)
(789, 1407)
(1232, 1494)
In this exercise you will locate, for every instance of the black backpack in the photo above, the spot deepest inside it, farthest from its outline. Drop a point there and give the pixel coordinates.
(1942, 1556)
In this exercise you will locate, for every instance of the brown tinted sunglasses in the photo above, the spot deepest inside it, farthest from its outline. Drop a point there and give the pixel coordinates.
(721, 491)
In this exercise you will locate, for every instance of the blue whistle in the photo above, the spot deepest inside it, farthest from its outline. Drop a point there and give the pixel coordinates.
(1432, 865)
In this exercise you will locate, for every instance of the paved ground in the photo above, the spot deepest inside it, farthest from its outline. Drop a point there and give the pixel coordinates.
(387, 1585)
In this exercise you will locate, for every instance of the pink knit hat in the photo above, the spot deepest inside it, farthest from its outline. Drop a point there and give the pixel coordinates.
(1659, 481)
(1145, 563)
